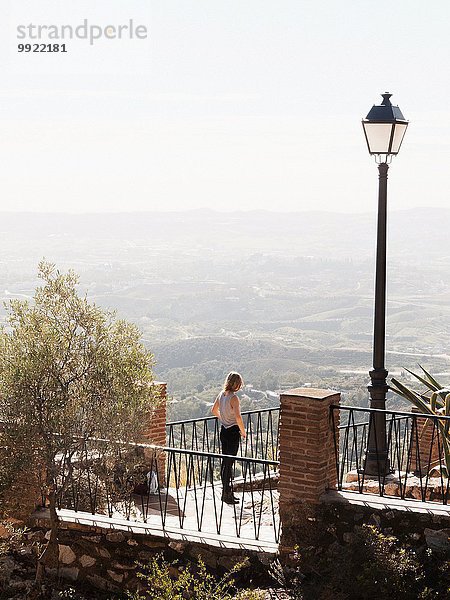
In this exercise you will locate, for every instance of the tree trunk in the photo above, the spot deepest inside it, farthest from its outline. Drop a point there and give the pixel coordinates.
(50, 556)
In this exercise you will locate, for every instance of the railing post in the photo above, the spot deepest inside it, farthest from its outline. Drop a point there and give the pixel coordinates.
(307, 452)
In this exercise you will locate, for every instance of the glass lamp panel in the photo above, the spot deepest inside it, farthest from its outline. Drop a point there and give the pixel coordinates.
(378, 137)
(399, 132)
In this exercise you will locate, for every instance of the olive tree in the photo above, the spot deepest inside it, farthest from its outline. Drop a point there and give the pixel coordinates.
(70, 371)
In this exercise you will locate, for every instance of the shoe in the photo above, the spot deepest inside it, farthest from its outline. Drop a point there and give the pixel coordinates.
(229, 498)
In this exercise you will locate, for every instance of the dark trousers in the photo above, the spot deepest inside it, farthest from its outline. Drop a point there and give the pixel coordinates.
(229, 439)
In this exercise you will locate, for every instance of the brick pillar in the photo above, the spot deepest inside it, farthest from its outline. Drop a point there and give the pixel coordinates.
(25, 492)
(424, 435)
(155, 431)
(307, 454)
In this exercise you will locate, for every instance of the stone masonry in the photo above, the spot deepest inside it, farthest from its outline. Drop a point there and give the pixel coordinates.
(108, 559)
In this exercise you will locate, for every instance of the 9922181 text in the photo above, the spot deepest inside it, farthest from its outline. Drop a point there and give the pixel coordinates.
(41, 48)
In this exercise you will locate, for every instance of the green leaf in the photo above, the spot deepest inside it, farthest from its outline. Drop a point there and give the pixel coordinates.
(447, 414)
(412, 396)
(433, 401)
(431, 379)
(447, 405)
(426, 383)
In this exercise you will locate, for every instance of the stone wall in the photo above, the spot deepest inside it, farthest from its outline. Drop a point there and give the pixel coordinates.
(108, 559)
(335, 521)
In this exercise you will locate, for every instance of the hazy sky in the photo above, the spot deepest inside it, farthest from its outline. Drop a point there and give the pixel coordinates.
(228, 104)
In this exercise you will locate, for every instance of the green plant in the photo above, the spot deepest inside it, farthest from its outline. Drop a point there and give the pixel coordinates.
(434, 402)
(170, 581)
(69, 592)
(11, 538)
(70, 371)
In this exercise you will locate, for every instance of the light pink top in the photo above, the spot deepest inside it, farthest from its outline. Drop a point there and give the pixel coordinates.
(227, 416)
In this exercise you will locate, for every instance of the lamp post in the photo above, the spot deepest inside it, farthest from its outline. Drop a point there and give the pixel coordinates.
(384, 128)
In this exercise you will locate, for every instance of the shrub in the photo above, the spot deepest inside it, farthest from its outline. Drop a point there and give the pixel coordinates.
(372, 565)
(170, 581)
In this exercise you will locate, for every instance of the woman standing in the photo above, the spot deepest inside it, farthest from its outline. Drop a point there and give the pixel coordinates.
(227, 409)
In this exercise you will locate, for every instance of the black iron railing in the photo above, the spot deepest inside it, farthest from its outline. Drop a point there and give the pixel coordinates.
(203, 435)
(171, 488)
(416, 444)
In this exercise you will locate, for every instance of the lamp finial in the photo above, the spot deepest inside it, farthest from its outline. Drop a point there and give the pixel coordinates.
(386, 101)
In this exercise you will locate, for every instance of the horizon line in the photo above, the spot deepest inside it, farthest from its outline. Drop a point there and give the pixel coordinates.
(215, 211)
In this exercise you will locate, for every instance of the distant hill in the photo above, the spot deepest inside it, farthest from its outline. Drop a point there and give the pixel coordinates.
(284, 297)
(414, 232)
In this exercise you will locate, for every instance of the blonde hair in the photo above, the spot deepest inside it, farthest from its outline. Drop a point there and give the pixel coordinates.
(233, 382)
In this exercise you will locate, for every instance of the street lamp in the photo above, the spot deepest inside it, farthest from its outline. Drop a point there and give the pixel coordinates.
(384, 128)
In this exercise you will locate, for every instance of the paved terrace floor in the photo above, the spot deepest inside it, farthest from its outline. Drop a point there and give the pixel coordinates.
(229, 518)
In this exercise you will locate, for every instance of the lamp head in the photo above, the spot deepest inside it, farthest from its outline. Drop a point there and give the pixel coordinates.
(384, 128)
